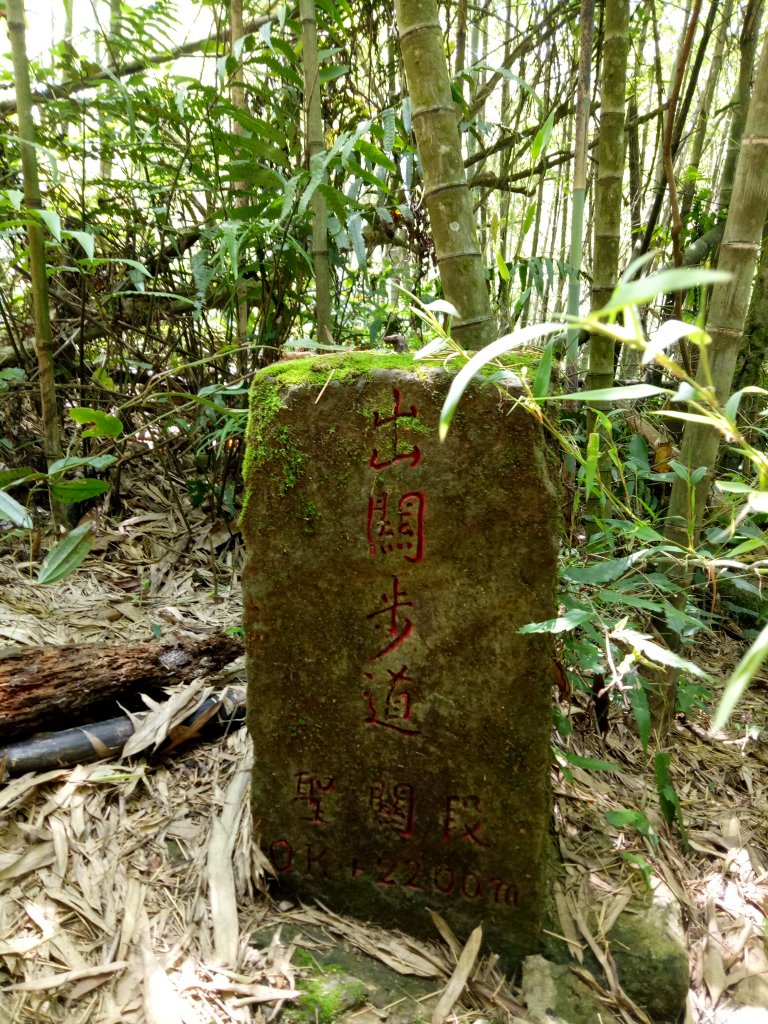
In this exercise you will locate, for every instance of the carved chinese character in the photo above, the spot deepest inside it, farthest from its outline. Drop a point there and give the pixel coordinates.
(413, 457)
(379, 420)
(407, 536)
(394, 807)
(400, 627)
(394, 711)
(462, 819)
(312, 791)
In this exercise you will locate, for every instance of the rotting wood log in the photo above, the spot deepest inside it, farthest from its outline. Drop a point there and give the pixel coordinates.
(59, 687)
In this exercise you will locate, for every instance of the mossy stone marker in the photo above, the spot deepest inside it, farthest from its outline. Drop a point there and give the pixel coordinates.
(401, 724)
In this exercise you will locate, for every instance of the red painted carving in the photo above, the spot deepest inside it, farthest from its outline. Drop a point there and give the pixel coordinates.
(312, 791)
(379, 420)
(397, 712)
(408, 536)
(413, 869)
(462, 819)
(503, 893)
(281, 855)
(394, 806)
(444, 880)
(386, 866)
(472, 886)
(413, 457)
(397, 629)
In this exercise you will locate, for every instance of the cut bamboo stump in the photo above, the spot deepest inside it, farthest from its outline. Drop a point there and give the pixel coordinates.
(58, 687)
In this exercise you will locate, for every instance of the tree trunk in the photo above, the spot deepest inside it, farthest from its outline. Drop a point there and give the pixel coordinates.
(237, 96)
(747, 52)
(58, 687)
(37, 262)
(586, 33)
(608, 189)
(701, 117)
(725, 326)
(315, 137)
(446, 194)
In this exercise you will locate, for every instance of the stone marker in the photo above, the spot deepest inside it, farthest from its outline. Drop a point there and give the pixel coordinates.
(401, 724)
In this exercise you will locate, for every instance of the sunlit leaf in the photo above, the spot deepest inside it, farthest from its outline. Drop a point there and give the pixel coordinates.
(543, 376)
(626, 393)
(742, 676)
(657, 653)
(590, 465)
(758, 501)
(480, 359)
(85, 239)
(668, 334)
(104, 424)
(441, 306)
(501, 263)
(540, 142)
(633, 293)
(562, 624)
(15, 513)
(604, 572)
(52, 221)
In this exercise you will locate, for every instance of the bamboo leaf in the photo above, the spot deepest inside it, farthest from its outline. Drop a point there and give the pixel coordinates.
(480, 359)
(543, 376)
(659, 654)
(501, 263)
(604, 572)
(634, 293)
(621, 394)
(441, 306)
(668, 334)
(590, 466)
(542, 138)
(593, 764)
(742, 676)
(562, 624)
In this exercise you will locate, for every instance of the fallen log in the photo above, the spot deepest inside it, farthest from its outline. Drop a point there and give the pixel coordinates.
(58, 687)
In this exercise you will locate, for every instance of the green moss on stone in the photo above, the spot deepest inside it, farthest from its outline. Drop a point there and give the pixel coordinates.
(279, 450)
(327, 997)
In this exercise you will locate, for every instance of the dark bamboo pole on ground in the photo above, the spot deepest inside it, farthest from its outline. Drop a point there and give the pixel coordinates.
(36, 242)
(446, 194)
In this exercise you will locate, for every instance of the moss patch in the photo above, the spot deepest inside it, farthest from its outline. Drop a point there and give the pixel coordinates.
(279, 450)
(327, 997)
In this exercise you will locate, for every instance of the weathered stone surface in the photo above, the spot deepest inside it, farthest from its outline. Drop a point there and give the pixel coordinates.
(554, 995)
(648, 948)
(401, 724)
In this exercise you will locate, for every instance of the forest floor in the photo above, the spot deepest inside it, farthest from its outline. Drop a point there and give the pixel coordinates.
(121, 882)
